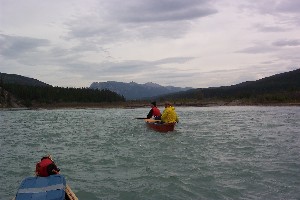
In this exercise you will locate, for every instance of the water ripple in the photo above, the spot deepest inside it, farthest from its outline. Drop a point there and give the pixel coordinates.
(214, 153)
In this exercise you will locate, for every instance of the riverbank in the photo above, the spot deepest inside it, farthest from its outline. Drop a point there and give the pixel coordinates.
(141, 104)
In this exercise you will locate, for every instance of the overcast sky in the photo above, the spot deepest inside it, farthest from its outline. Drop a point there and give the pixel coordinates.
(185, 43)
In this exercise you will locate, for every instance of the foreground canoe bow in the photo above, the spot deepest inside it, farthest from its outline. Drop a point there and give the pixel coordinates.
(158, 126)
(53, 187)
(70, 195)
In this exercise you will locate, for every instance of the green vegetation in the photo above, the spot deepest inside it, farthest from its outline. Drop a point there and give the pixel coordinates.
(280, 88)
(30, 95)
(23, 91)
(20, 80)
(16, 91)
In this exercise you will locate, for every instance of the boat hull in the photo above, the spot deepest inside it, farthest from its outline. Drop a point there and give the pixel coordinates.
(53, 187)
(160, 127)
(70, 195)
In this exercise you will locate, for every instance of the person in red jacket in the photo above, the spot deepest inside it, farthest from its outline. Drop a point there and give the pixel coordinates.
(154, 112)
(46, 167)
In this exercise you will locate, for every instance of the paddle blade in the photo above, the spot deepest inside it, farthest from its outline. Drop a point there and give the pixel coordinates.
(152, 120)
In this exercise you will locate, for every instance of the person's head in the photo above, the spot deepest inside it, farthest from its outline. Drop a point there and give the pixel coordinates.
(167, 104)
(47, 157)
(153, 104)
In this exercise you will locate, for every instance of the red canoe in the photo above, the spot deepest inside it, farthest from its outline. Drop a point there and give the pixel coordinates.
(157, 126)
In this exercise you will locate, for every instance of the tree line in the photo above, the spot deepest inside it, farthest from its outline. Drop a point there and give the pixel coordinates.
(280, 88)
(29, 95)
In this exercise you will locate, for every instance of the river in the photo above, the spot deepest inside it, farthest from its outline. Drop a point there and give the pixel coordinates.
(214, 152)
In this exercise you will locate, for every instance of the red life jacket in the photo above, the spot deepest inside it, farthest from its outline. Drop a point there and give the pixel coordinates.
(41, 167)
(156, 112)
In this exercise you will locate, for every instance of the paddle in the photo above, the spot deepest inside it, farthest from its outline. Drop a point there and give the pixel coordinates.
(152, 120)
(148, 120)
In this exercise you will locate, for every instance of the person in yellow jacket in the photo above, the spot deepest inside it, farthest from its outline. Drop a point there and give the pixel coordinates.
(169, 115)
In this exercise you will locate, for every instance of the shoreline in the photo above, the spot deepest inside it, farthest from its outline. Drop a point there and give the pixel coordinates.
(132, 105)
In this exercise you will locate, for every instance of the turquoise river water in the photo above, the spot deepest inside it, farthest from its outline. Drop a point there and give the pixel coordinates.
(214, 152)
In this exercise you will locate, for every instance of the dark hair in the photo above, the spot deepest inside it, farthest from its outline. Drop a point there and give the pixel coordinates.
(52, 167)
(168, 103)
(153, 103)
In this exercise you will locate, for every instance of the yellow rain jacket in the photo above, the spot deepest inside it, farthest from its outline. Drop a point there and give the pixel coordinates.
(169, 115)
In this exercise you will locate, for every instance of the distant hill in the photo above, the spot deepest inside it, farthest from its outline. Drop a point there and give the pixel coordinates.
(284, 87)
(135, 91)
(21, 80)
(16, 90)
(20, 91)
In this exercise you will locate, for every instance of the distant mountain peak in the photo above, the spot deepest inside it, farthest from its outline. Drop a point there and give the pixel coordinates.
(135, 91)
(151, 84)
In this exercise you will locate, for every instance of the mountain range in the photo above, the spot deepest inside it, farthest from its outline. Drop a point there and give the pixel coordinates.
(280, 88)
(135, 91)
(130, 91)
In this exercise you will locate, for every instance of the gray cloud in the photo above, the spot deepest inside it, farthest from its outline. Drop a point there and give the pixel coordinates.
(290, 55)
(273, 7)
(286, 13)
(35, 52)
(136, 11)
(266, 28)
(118, 20)
(178, 60)
(134, 40)
(258, 49)
(14, 46)
(137, 66)
(129, 70)
(288, 6)
(94, 25)
(282, 43)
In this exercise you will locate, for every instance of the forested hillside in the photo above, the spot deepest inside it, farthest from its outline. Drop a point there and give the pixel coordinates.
(17, 91)
(20, 80)
(280, 88)
(27, 92)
